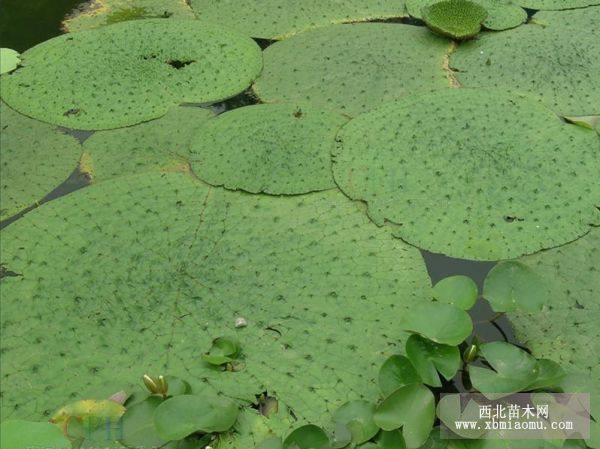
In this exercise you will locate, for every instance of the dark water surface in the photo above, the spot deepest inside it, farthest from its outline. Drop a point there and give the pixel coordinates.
(25, 23)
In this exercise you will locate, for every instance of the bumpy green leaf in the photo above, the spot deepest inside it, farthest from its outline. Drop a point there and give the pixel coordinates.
(457, 19)
(358, 417)
(512, 286)
(396, 372)
(160, 145)
(353, 68)
(277, 149)
(307, 437)
(180, 416)
(513, 369)
(501, 14)
(541, 60)
(36, 158)
(566, 330)
(411, 407)
(460, 291)
(403, 158)
(105, 12)
(429, 357)
(556, 4)
(130, 72)
(139, 274)
(9, 60)
(17, 434)
(442, 323)
(276, 19)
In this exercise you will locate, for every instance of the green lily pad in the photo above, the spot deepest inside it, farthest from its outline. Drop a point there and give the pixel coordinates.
(501, 14)
(442, 323)
(223, 350)
(513, 370)
(36, 158)
(550, 375)
(582, 18)
(556, 4)
(358, 417)
(429, 357)
(160, 145)
(278, 19)
(460, 291)
(98, 13)
(164, 263)
(512, 286)
(180, 416)
(566, 330)
(441, 167)
(130, 72)
(353, 68)
(9, 60)
(276, 149)
(397, 371)
(18, 434)
(541, 61)
(411, 407)
(138, 425)
(307, 437)
(456, 19)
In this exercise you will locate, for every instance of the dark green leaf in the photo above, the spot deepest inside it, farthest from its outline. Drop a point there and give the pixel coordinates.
(442, 323)
(307, 437)
(429, 357)
(396, 372)
(223, 350)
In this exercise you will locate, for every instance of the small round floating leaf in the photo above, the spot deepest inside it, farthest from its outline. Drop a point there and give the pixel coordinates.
(106, 12)
(277, 19)
(513, 370)
(18, 434)
(276, 149)
(429, 357)
(457, 19)
(543, 62)
(403, 157)
(512, 286)
(397, 371)
(358, 417)
(9, 60)
(183, 415)
(223, 350)
(411, 407)
(177, 386)
(138, 429)
(159, 145)
(353, 68)
(460, 291)
(307, 437)
(130, 72)
(36, 158)
(442, 323)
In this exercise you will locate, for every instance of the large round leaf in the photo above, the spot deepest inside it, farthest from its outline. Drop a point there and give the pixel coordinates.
(442, 167)
(501, 14)
(277, 149)
(159, 145)
(36, 158)
(130, 72)
(538, 59)
(276, 19)
(141, 273)
(106, 12)
(183, 415)
(353, 68)
(17, 434)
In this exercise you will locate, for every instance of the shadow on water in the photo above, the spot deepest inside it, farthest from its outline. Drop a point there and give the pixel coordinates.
(25, 23)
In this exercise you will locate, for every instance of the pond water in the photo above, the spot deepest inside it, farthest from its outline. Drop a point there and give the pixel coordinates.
(24, 24)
